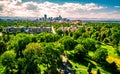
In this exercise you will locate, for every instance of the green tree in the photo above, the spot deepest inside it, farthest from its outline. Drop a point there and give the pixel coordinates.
(89, 44)
(103, 36)
(2, 47)
(59, 32)
(18, 43)
(98, 71)
(116, 38)
(89, 68)
(85, 35)
(6, 37)
(106, 40)
(47, 37)
(95, 35)
(100, 55)
(1, 28)
(79, 32)
(51, 57)
(118, 48)
(68, 42)
(80, 52)
(8, 61)
(32, 55)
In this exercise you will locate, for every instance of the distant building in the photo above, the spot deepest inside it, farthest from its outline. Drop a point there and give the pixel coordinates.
(58, 19)
(31, 30)
(45, 17)
(50, 19)
(76, 21)
(71, 29)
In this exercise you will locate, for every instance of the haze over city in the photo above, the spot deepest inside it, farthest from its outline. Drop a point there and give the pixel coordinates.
(73, 9)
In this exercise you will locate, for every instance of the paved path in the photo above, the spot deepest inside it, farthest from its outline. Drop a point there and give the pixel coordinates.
(0, 33)
(53, 30)
(66, 66)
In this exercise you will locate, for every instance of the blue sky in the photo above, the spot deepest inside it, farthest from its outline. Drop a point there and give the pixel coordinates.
(73, 9)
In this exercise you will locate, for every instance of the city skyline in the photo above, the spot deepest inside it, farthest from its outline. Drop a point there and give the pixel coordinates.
(107, 9)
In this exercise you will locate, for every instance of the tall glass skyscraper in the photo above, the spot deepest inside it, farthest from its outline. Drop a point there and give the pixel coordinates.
(45, 17)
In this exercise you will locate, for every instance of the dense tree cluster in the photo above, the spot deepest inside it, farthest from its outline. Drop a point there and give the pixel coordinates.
(100, 55)
(23, 53)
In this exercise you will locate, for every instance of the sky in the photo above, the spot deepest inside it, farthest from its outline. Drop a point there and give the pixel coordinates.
(72, 9)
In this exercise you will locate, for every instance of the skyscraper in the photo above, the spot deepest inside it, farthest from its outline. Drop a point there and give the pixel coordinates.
(60, 17)
(45, 17)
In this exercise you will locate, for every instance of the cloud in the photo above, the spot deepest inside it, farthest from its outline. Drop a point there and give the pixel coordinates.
(102, 15)
(32, 6)
(116, 6)
(34, 9)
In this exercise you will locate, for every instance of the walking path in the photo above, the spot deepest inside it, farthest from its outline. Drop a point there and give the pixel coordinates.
(0, 33)
(53, 30)
(66, 67)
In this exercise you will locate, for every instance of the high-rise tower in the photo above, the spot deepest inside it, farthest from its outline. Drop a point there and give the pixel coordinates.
(45, 17)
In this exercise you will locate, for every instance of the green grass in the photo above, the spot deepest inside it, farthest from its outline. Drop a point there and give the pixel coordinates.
(81, 69)
(111, 51)
(101, 70)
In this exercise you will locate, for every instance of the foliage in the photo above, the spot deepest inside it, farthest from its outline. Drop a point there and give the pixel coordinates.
(47, 37)
(51, 57)
(80, 52)
(98, 71)
(100, 55)
(3, 47)
(116, 38)
(32, 51)
(89, 44)
(32, 55)
(18, 43)
(68, 42)
(8, 61)
(89, 68)
(106, 40)
(59, 32)
(23, 53)
(79, 32)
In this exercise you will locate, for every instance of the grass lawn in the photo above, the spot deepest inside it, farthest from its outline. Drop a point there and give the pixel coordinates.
(111, 51)
(82, 69)
(113, 56)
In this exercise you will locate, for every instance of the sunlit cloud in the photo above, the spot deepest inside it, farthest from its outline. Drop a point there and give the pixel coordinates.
(70, 10)
(117, 6)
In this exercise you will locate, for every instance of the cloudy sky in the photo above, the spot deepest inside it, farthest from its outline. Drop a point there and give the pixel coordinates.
(73, 9)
